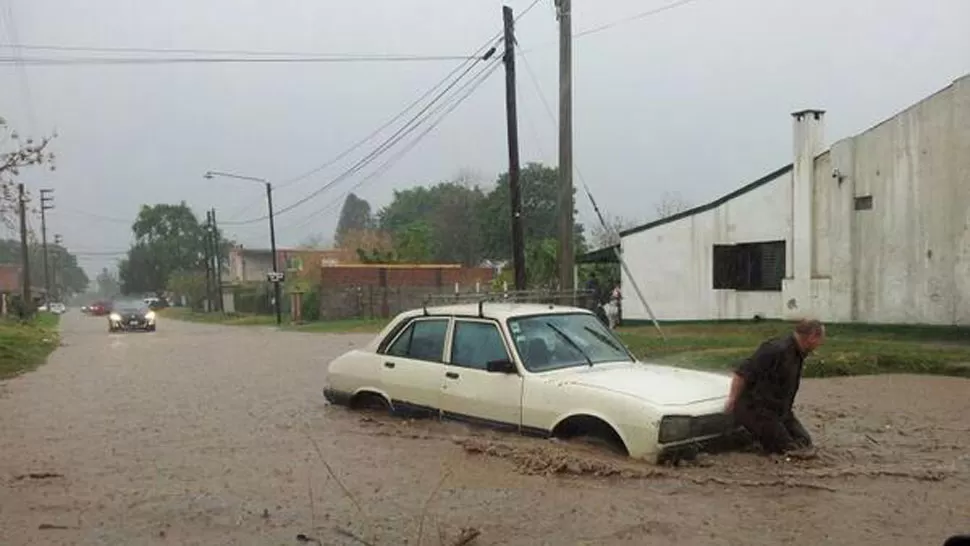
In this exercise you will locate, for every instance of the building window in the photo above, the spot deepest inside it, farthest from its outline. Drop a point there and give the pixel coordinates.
(863, 203)
(749, 266)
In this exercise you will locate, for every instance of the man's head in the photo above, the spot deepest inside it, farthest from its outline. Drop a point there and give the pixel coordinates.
(810, 334)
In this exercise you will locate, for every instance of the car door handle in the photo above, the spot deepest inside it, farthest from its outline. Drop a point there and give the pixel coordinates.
(451, 375)
(388, 364)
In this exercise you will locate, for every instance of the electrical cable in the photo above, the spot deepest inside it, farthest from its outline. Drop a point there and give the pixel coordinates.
(631, 18)
(183, 51)
(97, 216)
(402, 132)
(478, 55)
(480, 79)
(82, 61)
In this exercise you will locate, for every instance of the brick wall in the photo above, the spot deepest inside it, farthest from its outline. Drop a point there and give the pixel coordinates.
(369, 291)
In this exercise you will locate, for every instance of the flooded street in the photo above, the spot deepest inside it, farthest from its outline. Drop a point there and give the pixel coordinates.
(206, 435)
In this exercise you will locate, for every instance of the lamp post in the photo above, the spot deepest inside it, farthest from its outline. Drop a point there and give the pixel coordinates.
(275, 276)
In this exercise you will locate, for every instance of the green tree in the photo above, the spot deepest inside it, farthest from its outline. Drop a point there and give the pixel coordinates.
(168, 239)
(540, 212)
(415, 243)
(447, 211)
(190, 284)
(355, 215)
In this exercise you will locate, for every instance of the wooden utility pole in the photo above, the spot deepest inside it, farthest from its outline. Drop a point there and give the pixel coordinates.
(208, 262)
(24, 251)
(217, 254)
(566, 252)
(518, 245)
(46, 203)
(57, 266)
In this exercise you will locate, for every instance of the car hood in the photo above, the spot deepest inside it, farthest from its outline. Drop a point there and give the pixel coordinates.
(655, 384)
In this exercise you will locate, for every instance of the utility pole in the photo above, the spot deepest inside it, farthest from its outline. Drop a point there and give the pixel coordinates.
(518, 245)
(46, 203)
(57, 264)
(566, 253)
(275, 276)
(208, 262)
(277, 292)
(24, 252)
(217, 254)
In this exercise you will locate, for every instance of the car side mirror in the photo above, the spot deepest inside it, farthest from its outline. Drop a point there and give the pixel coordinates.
(501, 366)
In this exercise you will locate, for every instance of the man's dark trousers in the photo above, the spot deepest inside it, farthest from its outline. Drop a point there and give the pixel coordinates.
(775, 434)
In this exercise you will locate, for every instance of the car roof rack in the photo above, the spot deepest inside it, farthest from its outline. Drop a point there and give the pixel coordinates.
(550, 297)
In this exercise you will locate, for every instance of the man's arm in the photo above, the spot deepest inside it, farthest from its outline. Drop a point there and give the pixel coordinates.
(748, 371)
(737, 384)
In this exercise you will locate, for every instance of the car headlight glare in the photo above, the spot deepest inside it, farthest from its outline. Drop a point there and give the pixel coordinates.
(674, 428)
(115, 317)
(150, 315)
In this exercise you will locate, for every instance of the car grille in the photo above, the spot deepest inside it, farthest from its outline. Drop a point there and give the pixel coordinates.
(708, 425)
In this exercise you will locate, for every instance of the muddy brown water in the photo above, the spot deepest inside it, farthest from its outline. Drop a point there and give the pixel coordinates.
(201, 434)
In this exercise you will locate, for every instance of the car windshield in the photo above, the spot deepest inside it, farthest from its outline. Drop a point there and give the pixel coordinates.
(129, 307)
(552, 342)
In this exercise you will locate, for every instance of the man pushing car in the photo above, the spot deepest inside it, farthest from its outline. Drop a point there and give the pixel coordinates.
(764, 386)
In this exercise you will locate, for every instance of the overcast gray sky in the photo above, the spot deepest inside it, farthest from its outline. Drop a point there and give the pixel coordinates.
(695, 99)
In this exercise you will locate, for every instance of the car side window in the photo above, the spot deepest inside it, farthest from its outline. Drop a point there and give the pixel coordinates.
(421, 340)
(475, 344)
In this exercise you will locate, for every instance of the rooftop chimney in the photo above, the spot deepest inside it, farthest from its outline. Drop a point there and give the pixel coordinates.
(808, 135)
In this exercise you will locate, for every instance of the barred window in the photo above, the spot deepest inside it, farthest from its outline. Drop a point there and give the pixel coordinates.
(749, 266)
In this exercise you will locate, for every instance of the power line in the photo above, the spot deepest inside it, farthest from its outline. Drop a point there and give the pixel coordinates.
(480, 79)
(402, 132)
(631, 18)
(98, 216)
(478, 55)
(93, 253)
(211, 52)
(79, 61)
(374, 133)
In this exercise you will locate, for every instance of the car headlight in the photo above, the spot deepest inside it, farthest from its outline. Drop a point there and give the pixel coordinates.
(115, 317)
(150, 315)
(674, 428)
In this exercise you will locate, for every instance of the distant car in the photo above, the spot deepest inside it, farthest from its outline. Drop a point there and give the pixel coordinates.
(99, 308)
(536, 369)
(131, 315)
(58, 308)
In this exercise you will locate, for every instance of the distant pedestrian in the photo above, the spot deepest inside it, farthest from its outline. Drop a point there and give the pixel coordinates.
(612, 308)
(764, 387)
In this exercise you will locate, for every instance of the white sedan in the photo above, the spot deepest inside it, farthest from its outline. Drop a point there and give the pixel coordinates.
(535, 369)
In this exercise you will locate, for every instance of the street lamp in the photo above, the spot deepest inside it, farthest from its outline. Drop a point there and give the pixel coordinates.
(272, 233)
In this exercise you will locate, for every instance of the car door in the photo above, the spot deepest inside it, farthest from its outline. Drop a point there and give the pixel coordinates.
(470, 391)
(412, 366)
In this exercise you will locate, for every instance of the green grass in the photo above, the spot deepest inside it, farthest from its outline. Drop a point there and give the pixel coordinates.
(241, 319)
(24, 346)
(850, 349)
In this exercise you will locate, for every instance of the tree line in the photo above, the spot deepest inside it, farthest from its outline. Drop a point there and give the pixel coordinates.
(459, 221)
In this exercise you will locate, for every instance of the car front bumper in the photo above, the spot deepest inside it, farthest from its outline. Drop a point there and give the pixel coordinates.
(129, 323)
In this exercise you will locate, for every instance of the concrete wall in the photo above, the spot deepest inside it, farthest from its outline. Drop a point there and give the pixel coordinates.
(673, 262)
(905, 260)
(910, 253)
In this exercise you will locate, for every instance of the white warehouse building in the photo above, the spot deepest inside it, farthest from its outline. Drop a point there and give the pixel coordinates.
(875, 229)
